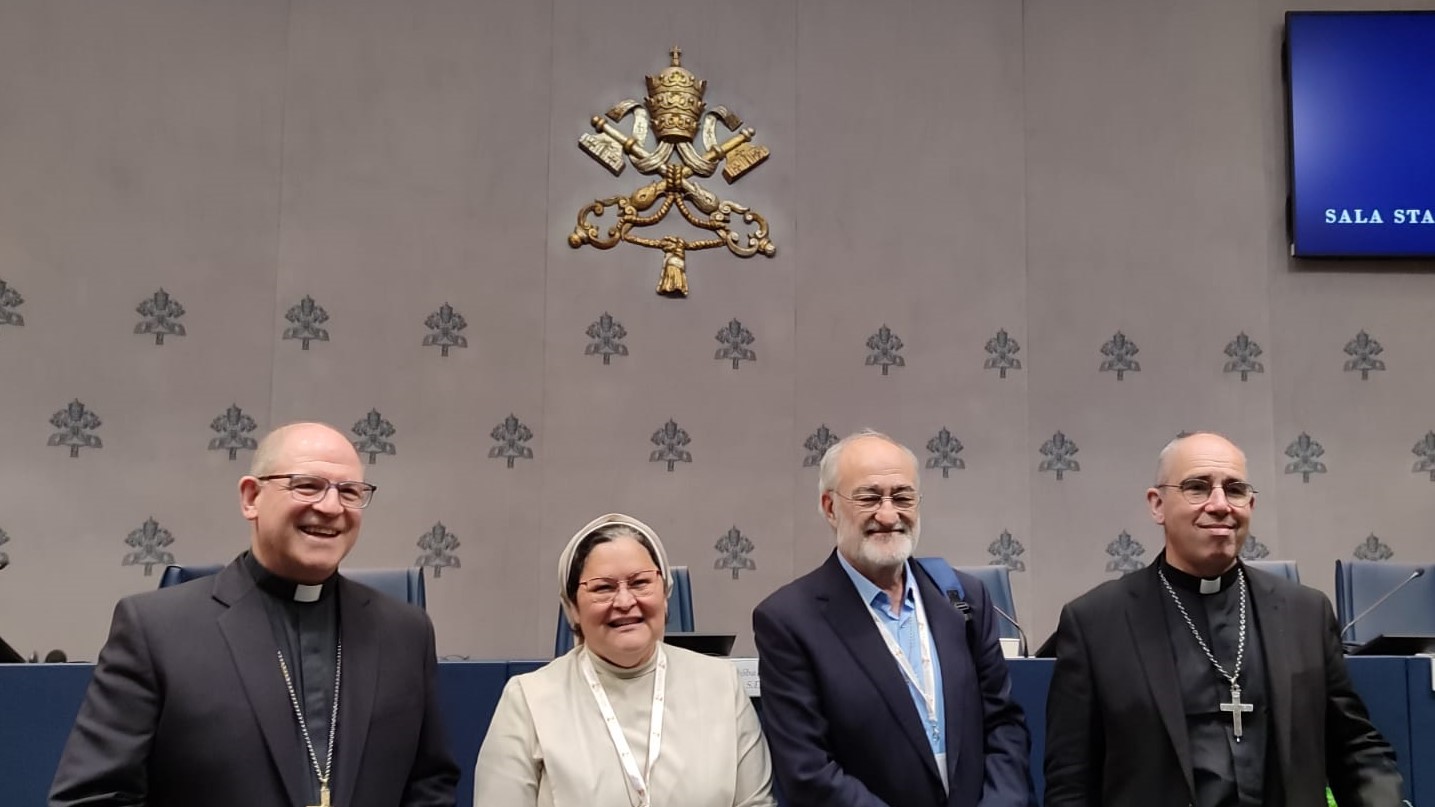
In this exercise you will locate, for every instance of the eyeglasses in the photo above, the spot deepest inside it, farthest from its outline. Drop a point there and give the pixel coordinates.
(903, 500)
(1198, 491)
(309, 489)
(603, 590)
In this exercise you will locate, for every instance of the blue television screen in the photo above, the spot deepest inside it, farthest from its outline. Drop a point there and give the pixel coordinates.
(1360, 93)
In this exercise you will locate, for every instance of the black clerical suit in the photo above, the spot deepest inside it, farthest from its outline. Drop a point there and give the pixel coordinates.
(1117, 729)
(188, 706)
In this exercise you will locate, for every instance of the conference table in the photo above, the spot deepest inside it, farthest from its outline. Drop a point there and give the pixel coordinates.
(38, 703)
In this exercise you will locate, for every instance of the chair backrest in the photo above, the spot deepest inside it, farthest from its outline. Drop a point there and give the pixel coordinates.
(1279, 568)
(680, 613)
(404, 584)
(997, 580)
(1410, 611)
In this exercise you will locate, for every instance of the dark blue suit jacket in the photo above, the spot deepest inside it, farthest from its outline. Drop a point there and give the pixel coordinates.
(839, 717)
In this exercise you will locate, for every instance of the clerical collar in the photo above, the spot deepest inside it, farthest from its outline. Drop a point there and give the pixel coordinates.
(286, 590)
(1200, 585)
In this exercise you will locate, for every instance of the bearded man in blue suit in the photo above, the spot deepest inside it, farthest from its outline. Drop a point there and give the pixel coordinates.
(876, 691)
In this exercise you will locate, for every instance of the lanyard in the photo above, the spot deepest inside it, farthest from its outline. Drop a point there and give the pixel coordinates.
(637, 779)
(927, 687)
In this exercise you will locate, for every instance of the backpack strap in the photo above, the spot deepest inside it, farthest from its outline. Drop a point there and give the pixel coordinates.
(945, 577)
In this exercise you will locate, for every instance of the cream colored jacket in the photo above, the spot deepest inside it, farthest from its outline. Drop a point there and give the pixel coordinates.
(547, 745)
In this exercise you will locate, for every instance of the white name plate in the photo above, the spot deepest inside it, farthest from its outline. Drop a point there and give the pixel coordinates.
(747, 674)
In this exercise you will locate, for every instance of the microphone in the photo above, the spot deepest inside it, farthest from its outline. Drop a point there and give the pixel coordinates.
(1017, 625)
(1363, 614)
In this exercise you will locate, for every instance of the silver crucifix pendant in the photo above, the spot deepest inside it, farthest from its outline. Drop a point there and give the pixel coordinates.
(1236, 708)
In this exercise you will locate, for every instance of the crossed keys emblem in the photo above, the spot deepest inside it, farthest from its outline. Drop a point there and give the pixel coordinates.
(661, 144)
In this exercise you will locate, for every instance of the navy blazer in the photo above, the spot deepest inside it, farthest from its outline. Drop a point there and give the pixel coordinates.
(187, 706)
(840, 720)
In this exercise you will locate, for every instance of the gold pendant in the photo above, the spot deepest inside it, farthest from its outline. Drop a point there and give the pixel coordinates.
(323, 797)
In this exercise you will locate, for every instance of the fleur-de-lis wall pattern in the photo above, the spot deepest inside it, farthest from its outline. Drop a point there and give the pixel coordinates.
(1120, 352)
(735, 552)
(672, 443)
(1007, 551)
(735, 339)
(817, 444)
(1253, 549)
(606, 335)
(234, 429)
(305, 319)
(1126, 554)
(438, 545)
(161, 314)
(76, 426)
(1305, 454)
(1058, 452)
(445, 330)
(1363, 351)
(1242, 352)
(374, 432)
(885, 348)
(1372, 548)
(1425, 449)
(944, 449)
(512, 438)
(1002, 350)
(149, 542)
(10, 300)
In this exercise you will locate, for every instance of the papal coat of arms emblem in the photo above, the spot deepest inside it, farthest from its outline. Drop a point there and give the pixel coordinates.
(661, 143)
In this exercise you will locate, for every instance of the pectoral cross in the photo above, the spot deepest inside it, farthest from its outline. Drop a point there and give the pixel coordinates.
(324, 794)
(1236, 708)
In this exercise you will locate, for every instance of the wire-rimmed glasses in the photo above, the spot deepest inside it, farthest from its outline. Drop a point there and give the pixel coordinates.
(1198, 491)
(308, 488)
(603, 590)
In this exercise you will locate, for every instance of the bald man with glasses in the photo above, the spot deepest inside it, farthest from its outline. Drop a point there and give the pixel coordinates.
(1198, 681)
(276, 681)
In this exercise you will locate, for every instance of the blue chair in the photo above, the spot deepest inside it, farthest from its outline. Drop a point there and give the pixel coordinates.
(405, 584)
(997, 580)
(680, 613)
(1359, 584)
(1279, 568)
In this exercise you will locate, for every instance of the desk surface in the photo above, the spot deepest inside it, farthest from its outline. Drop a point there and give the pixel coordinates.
(38, 703)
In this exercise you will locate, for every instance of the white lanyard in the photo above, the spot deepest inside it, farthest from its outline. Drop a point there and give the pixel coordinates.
(929, 676)
(638, 779)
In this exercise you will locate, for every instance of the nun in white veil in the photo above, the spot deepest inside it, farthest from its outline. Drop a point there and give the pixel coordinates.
(622, 719)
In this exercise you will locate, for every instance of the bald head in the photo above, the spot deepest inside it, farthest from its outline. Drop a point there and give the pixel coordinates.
(1164, 460)
(270, 449)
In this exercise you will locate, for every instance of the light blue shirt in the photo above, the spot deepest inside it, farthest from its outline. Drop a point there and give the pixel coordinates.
(903, 629)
